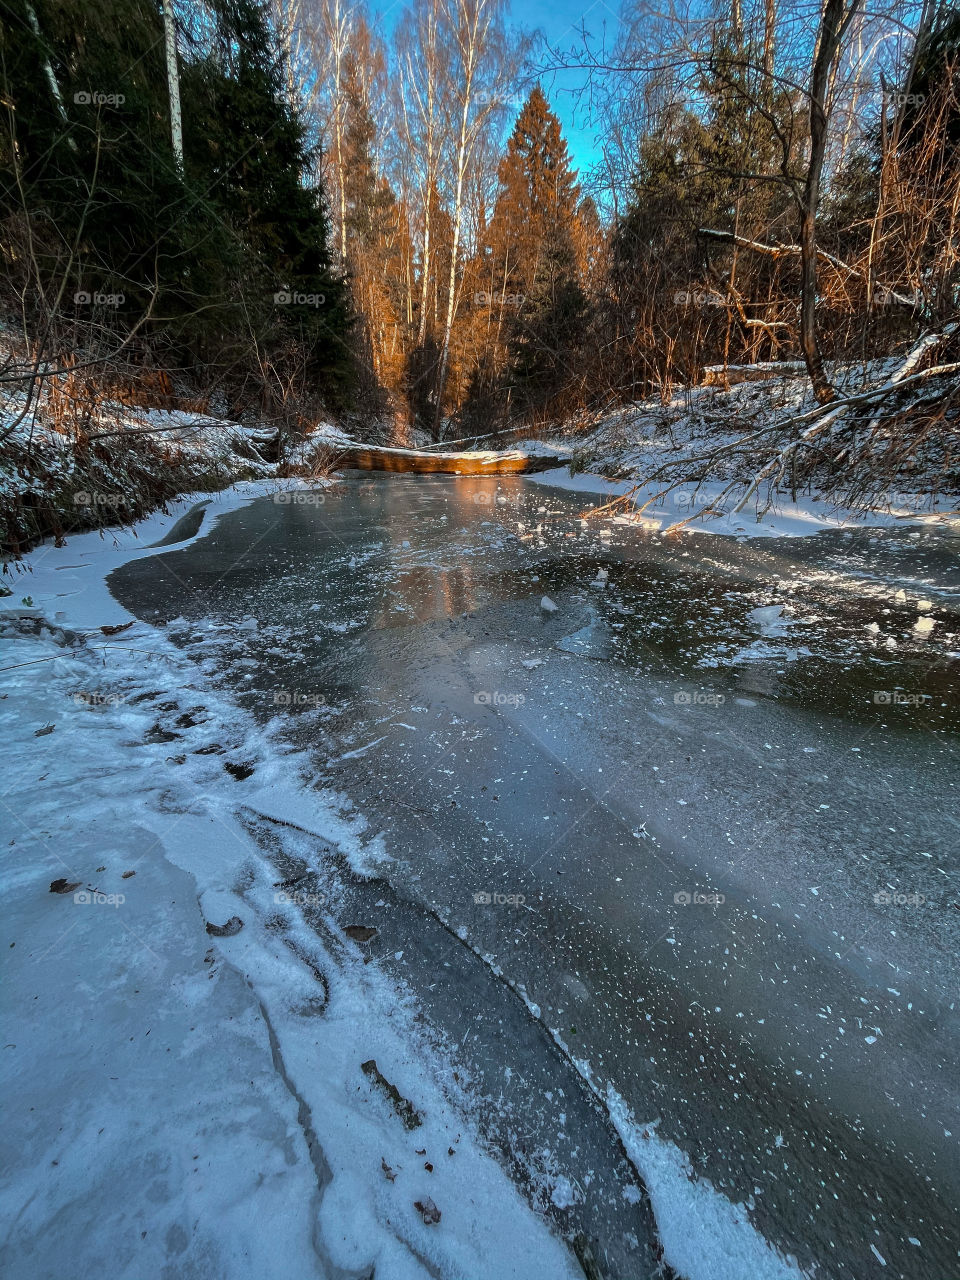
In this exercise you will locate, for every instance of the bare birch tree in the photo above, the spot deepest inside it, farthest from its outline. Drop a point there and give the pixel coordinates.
(482, 68)
(422, 125)
(173, 82)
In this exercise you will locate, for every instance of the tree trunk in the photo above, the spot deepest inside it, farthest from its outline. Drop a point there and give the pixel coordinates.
(475, 25)
(736, 23)
(173, 83)
(834, 20)
(822, 387)
(769, 38)
(425, 273)
(455, 248)
(421, 58)
(338, 48)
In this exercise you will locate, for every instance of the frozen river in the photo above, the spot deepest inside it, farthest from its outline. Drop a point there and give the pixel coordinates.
(664, 826)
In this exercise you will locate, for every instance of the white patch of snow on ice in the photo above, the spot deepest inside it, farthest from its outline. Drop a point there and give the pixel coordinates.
(769, 620)
(723, 1245)
(563, 1194)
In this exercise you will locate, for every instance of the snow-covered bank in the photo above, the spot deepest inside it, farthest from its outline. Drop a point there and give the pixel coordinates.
(192, 1102)
(684, 462)
(66, 467)
(783, 518)
(56, 479)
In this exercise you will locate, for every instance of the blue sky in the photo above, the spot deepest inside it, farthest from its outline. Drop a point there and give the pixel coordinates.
(560, 22)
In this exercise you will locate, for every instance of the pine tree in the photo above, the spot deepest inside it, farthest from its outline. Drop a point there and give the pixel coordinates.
(89, 163)
(536, 245)
(256, 149)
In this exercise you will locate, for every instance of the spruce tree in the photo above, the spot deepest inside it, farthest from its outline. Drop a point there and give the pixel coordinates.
(255, 149)
(91, 181)
(534, 237)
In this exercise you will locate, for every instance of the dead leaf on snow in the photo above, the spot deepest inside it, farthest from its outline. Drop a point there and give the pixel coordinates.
(403, 1106)
(233, 926)
(239, 771)
(64, 886)
(427, 1210)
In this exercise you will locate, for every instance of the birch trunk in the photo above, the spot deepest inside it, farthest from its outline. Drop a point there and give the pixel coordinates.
(173, 83)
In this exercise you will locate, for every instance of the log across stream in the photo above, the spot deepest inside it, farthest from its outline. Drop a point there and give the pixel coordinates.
(472, 463)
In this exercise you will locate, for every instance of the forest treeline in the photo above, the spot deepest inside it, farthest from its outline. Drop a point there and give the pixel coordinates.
(390, 221)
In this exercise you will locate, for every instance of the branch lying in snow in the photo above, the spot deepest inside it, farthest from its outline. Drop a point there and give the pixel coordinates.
(892, 384)
(779, 461)
(793, 250)
(897, 382)
(929, 340)
(926, 342)
(150, 431)
(55, 656)
(35, 661)
(816, 421)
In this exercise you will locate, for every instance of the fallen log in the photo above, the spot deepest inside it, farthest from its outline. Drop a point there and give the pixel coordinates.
(475, 463)
(728, 375)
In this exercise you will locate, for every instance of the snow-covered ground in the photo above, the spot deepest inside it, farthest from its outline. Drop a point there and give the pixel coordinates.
(68, 464)
(197, 440)
(618, 454)
(180, 1103)
(188, 1104)
(783, 518)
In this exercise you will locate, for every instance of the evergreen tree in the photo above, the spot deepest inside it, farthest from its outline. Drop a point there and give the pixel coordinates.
(101, 175)
(537, 201)
(91, 180)
(536, 241)
(256, 152)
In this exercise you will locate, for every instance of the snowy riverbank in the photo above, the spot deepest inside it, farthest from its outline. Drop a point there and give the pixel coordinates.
(682, 462)
(177, 1099)
(67, 467)
(784, 517)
